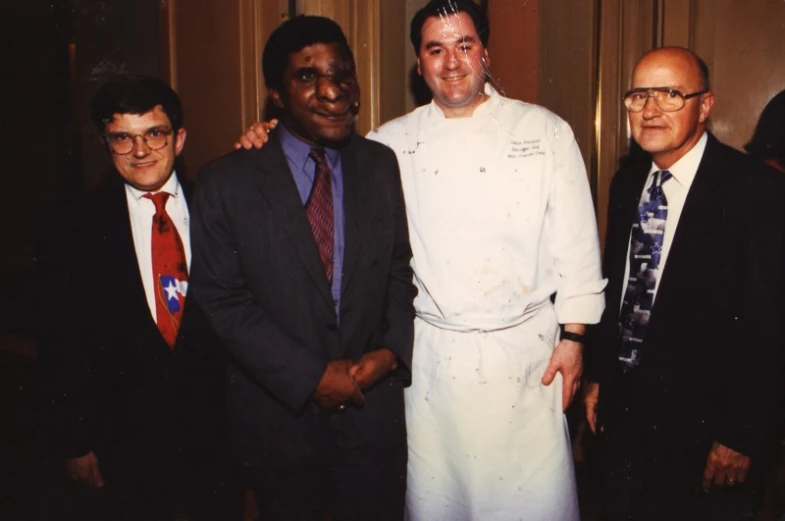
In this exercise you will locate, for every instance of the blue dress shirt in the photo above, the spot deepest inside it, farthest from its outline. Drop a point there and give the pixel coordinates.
(303, 171)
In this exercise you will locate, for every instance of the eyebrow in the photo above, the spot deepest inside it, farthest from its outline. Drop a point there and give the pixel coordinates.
(305, 69)
(154, 127)
(465, 39)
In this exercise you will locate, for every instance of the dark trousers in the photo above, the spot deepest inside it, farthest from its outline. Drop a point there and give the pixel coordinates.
(152, 490)
(650, 473)
(347, 480)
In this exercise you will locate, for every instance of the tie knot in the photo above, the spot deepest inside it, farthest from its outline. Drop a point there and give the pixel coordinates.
(317, 154)
(159, 200)
(661, 176)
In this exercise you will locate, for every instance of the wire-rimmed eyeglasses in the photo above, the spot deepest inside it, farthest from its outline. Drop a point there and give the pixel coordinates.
(667, 99)
(122, 143)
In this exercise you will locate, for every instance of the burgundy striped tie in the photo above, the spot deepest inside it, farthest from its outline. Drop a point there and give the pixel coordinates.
(319, 209)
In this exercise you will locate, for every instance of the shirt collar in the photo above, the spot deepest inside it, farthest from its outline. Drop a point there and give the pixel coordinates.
(297, 150)
(172, 186)
(684, 170)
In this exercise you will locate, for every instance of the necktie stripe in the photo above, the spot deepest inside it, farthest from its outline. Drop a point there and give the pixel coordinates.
(319, 210)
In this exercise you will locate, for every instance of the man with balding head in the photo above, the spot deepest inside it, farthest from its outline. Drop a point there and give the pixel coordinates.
(683, 367)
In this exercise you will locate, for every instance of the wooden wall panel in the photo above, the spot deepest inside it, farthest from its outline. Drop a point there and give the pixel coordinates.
(412, 6)
(394, 61)
(514, 45)
(743, 44)
(567, 62)
(627, 28)
(213, 61)
(206, 72)
(675, 22)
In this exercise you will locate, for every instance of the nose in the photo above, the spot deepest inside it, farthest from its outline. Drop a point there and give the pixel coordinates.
(650, 108)
(140, 146)
(330, 91)
(453, 60)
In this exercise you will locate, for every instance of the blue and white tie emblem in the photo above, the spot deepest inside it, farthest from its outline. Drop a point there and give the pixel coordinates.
(174, 291)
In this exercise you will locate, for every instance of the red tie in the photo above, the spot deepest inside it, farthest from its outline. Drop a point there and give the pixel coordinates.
(319, 209)
(170, 270)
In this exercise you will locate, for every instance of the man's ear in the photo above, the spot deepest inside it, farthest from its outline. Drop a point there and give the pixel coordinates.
(706, 103)
(276, 97)
(419, 71)
(179, 141)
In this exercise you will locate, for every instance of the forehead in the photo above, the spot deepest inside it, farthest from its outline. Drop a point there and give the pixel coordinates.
(666, 69)
(153, 118)
(448, 28)
(320, 55)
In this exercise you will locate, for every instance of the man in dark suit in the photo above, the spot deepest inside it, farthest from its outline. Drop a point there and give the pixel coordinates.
(301, 255)
(683, 368)
(132, 375)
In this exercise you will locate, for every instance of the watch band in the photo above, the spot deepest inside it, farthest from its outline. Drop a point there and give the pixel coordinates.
(575, 337)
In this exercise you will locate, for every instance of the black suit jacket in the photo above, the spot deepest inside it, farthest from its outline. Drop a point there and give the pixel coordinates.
(258, 276)
(710, 368)
(111, 384)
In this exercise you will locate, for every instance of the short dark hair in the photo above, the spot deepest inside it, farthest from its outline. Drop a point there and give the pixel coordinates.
(292, 36)
(135, 95)
(439, 8)
(768, 142)
(704, 72)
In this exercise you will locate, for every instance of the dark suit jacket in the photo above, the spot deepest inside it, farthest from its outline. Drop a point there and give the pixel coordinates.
(709, 368)
(111, 384)
(259, 278)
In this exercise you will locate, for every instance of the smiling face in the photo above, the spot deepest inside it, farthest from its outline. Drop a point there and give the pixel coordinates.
(318, 94)
(452, 61)
(668, 136)
(143, 168)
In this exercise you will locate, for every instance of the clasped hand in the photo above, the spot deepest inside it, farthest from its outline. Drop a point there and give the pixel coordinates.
(343, 381)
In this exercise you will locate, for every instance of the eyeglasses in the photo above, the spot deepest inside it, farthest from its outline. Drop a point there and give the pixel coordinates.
(667, 99)
(122, 143)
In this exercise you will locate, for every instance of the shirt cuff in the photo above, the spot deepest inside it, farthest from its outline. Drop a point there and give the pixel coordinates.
(581, 304)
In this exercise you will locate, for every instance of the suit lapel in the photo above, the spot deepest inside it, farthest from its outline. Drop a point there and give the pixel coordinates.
(702, 211)
(274, 180)
(355, 211)
(628, 207)
(121, 254)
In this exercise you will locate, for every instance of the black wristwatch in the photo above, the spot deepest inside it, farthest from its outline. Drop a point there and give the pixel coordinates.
(575, 337)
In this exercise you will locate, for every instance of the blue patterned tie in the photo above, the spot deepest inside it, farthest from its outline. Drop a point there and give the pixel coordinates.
(645, 251)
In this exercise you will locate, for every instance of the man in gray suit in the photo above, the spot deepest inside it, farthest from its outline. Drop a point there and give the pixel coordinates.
(301, 262)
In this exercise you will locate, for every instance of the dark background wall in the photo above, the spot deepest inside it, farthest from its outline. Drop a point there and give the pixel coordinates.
(56, 53)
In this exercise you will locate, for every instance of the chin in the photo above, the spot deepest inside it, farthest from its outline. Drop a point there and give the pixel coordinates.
(334, 140)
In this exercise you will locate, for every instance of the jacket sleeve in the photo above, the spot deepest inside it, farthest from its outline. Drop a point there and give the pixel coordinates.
(751, 386)
(602, 339)
(65, 389)
(399, 326)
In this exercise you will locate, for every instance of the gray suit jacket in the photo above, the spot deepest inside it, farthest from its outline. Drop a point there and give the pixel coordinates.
(257, 274)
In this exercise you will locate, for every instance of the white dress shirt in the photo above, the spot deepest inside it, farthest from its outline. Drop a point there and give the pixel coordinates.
(140, 212)
(676, 190)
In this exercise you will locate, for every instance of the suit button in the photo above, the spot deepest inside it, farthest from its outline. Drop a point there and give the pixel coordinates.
(332, 327)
